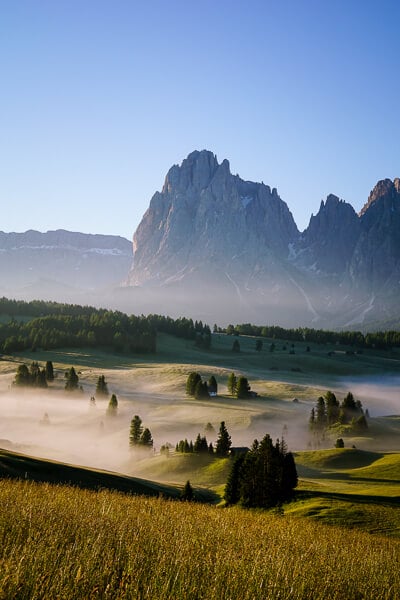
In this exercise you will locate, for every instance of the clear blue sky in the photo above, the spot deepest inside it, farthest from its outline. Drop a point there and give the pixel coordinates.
(98, 99)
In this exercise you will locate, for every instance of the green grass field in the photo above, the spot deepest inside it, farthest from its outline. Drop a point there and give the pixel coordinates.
(66, 543)
(356, 488)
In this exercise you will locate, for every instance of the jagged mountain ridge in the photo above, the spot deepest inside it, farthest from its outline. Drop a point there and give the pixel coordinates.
(210, 230)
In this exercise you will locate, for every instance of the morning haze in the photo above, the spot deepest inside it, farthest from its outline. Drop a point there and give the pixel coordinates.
(199, 317)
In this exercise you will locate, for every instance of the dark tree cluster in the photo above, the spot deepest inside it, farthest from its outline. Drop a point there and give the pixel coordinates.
(379, 339)
(200, 446)
(34, 376)
(183, 328)
(139, 436)
(200, 389)
(55, 325)
(100, 328)
(329, 412)
(263, 477)
(239, 387)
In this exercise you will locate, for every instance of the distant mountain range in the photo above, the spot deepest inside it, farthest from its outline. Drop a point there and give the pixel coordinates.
(61, 265)
(216, 247)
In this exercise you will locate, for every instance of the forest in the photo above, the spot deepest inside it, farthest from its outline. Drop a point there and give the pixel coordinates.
(50, 325)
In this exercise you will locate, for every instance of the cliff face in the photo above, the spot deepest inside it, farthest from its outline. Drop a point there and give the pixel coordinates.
(207, 219)
(375, 263)
(210, 229)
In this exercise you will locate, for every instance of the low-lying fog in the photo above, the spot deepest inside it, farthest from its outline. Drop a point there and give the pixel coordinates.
(381, 395)
(66, 427)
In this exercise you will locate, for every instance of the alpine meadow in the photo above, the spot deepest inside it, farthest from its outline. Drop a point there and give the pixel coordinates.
(199, 315)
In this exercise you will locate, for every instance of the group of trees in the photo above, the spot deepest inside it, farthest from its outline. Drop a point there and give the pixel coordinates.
(198, 388)
(239, 386)
(378, 339)
(329, 412)
(263, 477)
(138, 435)
(34, 376)
(201, 446)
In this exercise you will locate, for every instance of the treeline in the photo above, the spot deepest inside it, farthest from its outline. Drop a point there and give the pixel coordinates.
(183, 328)
(56, 325)
(380, 339)
(102, 328)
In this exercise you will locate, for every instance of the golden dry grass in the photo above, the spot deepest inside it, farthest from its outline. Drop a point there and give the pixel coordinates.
(66, 543)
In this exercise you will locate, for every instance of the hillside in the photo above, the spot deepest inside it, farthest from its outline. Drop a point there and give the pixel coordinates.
(61, 542)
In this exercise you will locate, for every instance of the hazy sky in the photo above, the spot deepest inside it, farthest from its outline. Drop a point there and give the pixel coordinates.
(98, 99)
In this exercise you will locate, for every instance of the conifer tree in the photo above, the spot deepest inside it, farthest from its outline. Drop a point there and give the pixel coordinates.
(22, 376)
(101, 386)
(236, 346)
(72, 380)
(224, 442)
(242, 388)
(232, 488)
(232, 383)
(136, 430)
(191, 383)
(49, 371)
(112, 405)
(201, 390)
(187, 492)
(146, 438)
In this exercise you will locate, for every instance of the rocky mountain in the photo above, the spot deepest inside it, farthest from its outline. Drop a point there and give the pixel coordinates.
(61, 265)
(215, 247)
(229, 249)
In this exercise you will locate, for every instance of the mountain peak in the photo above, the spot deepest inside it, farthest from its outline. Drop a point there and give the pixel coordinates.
(196, 171)
(384, 189)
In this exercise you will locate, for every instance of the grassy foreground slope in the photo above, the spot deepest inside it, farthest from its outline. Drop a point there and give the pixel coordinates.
(15, 465)
(66, 543)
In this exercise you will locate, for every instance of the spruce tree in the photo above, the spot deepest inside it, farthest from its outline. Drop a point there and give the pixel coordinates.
(224, 442)
(101, 386)
(112, 405)
(49, 371)
(236, 346)
(187, 492)
(191, 383)
(22, 377)
(136, 431)
(232, 383)
(72, 380)
(146, 438)
(232, 487)
(242, 388)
